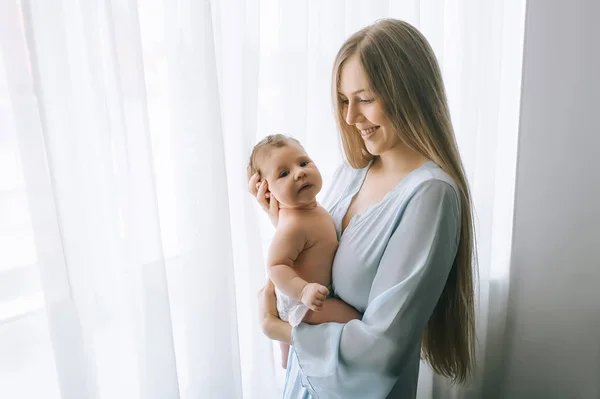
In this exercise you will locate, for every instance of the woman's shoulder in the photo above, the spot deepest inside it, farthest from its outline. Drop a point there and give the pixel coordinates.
(430, 174)
(426, 188)
(429, 180)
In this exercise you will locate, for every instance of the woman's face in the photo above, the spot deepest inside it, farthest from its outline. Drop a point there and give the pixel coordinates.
(363, 110)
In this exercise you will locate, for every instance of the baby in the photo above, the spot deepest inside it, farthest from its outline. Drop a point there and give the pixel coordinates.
(301, 253)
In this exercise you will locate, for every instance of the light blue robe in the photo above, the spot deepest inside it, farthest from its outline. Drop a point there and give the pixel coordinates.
(392, 264)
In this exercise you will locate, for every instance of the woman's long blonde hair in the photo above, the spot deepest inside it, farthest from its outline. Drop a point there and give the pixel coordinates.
(404, 75)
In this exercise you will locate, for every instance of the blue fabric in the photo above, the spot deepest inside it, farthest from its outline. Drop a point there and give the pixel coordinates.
(392, 264)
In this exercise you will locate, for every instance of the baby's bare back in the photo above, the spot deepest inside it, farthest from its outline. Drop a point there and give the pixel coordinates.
(314, 262)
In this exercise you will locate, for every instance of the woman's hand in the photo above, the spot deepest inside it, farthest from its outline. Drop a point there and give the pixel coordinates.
(272, 326)
(267, 202)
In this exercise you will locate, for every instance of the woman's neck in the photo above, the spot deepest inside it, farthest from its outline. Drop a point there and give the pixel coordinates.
(399, 160)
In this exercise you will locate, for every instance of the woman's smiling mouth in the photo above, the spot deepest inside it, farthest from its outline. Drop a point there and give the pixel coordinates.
(366, 133)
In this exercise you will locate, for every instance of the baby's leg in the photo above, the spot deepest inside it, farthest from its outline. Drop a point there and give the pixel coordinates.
(334, 310)
(285, 350)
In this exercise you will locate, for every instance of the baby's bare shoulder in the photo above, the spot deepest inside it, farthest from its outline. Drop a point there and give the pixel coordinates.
(319, 224)
(290, 217)
(305, 220)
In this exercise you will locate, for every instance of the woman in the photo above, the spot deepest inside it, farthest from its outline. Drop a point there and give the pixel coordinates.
(403, 214)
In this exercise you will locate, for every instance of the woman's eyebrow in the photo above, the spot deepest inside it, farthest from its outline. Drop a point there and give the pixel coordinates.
(353, 93)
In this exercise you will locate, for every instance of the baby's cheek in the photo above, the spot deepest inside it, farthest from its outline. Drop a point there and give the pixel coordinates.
(275, 192)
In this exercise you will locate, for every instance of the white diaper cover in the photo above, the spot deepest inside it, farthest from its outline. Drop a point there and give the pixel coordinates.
(289, 309)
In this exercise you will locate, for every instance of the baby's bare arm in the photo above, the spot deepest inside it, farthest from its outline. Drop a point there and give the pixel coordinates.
(333, 310)
(288, 242)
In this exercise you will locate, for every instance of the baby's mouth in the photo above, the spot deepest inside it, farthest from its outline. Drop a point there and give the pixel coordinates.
(304, 187)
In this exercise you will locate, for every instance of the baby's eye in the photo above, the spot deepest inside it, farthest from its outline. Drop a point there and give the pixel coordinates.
(303, 163)
(284, 174)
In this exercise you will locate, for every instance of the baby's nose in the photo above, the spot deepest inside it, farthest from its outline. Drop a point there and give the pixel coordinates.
(300, 173)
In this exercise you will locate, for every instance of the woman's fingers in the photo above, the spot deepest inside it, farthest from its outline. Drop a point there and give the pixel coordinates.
(273, 210)
(252, 184)
(260, 190)
(260, 196)
(270, 287)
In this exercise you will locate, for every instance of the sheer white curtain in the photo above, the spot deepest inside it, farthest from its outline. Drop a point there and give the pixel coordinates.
(130, 253)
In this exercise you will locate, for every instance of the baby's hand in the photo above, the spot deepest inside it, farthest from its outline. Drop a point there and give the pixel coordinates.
(313, 295)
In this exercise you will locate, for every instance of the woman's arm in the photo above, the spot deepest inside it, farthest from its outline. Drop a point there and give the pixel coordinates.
(272, 326)
(334, 310)
(364, 357)
(278, 330)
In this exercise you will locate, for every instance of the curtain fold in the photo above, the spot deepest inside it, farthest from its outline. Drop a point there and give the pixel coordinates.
(130, 251)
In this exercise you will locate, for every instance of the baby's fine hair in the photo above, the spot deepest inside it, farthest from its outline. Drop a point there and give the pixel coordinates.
(269, 142)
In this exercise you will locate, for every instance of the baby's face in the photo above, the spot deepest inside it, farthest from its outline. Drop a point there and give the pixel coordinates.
(291, 175)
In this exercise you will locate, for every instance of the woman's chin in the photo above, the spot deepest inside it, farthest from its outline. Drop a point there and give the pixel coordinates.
(373, 149)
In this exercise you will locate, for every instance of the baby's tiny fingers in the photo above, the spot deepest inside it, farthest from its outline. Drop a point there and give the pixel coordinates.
(318, 303)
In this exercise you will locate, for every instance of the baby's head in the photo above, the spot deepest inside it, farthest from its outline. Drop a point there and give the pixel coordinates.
(292, 177)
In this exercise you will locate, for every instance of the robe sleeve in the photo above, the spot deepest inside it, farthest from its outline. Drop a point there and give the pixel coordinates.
(365, 357)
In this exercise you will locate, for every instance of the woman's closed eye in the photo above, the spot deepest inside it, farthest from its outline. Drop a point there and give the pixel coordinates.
(360, 100)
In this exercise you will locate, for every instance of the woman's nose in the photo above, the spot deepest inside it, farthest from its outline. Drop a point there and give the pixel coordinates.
(352, 114)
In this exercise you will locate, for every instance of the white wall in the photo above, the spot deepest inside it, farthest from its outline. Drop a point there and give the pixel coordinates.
(553, 327)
